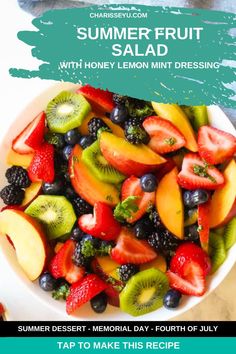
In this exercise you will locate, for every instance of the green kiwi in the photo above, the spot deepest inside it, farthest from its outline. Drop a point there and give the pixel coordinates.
(217, 251)
(229, 235)
(66, 111)
(219, 231)
(54, 212)
(99, 166)
(197, 114)
(144, 292)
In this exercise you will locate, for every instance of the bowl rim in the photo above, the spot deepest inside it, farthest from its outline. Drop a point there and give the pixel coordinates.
(45, 298)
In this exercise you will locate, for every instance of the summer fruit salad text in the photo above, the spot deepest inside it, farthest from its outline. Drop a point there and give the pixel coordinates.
(114, 200)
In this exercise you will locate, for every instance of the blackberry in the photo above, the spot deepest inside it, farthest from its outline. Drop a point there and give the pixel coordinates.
(77, 234)
(119, 99)
(94, 125)
(134, 133)
(155, 218)
(81, 206)
(12, 195)
(164, 242)
(18, 176)
(126, 271)
(78, 258)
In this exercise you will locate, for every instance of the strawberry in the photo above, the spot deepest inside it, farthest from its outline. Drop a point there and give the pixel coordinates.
(41, 167)
(196, 173)
(61, 266)
(215, 146)
(31, 137)
(204, 224)
(165, 137)
(188, 252)
(100, 100)
(129, 249)
(101, 224)
(191, 283)
(132, 187)
(83, 291)
(113, 297)
(1, 309)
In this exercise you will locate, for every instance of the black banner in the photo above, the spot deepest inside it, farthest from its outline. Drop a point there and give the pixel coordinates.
(121, 329)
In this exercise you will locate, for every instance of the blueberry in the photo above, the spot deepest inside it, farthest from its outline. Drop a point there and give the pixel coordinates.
(148, 183)
(85, 141)
(54, 188)
(191, 233)
(99, 303)
(56, 139)
(66, 152)
(119, 114)
(70, 193)
(47, 282)
(187, 199)
(199, 196)
(77, 234)
(171, 299)
(72, 137)
(143, 228)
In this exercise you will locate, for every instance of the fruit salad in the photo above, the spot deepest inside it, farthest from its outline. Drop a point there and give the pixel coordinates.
(114, 200)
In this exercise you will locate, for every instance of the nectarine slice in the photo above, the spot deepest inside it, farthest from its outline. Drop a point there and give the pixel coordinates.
(176, 115)
(128, 158)
(158, 263)
(87, 185)
(28, 239)
(169, 203)
(31, 193)
(13, 158)
(223, 202)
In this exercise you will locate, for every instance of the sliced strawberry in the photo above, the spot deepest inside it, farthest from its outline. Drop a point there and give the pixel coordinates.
(113, 296)
(165, 168)
(191, 283)
(31, 137)
(41, 167)
(196, 173)
(204, 224)
(165, 137)
(189, 252)
(61, 266)
(132, 187)
(100, 100)
(215, 146)
(101, 224)
(129, 249)
(1, 309)
(83, 291)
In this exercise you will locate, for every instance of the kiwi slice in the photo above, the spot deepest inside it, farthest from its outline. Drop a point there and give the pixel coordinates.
(144, 292)
(99, 166)
(66, 111)
(54, 212)
(217, 251)
(229, 235)
(197, 114)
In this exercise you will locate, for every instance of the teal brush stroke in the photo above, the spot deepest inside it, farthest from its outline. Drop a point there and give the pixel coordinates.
(54, 41)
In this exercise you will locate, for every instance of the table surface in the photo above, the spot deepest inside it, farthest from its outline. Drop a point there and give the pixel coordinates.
(220, 305)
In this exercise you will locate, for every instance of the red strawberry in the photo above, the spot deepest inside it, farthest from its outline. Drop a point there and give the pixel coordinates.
(215, 146)
(204, 224)
(165, 137)
(83, 291)
(128, 249)
(101, 224)
(132, 187)
(41, 167)
(188, 252)
(165, 168)
(1, 309)
(100, 100)
(31, 137)
(61, 266)
(113, 297)
(196, 173)
(191, 283)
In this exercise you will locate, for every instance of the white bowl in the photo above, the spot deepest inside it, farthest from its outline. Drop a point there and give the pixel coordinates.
(217, 119)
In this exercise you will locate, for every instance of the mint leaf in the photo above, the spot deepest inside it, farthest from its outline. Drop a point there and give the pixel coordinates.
(125, 209)
(61, 292)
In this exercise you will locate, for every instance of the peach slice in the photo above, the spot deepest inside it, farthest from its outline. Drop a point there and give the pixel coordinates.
(176, 115)
(223, 202)
(169, 203)
(127, 158)
(116, 129)
(88, 186)
(158, 263)
(13, 158)
(28, 239)
(31, 193)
